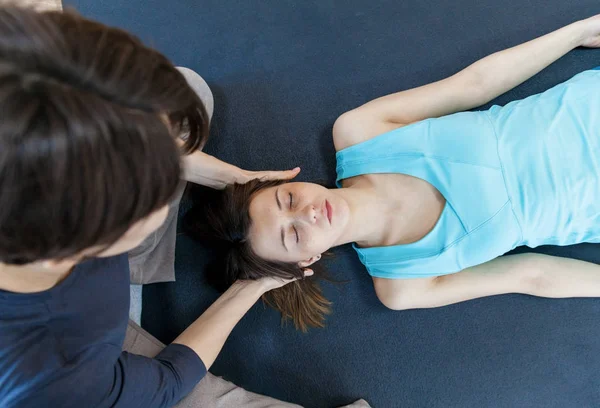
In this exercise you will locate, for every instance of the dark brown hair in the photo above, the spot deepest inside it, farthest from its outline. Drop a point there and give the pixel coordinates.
(84, 152)
(221, 220)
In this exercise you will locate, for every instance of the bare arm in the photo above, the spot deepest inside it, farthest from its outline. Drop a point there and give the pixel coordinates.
(480, 82)
(206, 170)
(207, 335)
(532, 274)
(475, 85)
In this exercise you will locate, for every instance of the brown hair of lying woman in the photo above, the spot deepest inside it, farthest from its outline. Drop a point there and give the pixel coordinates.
(221, 221)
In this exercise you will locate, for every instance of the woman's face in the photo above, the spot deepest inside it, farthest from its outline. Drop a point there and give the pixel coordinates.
(296, 222)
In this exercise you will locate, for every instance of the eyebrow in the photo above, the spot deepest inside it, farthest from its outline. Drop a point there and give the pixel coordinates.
(277, 198)
(282, 232)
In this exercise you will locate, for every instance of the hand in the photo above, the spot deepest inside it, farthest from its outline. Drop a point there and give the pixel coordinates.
(269, 283)
(591, 31)
(275, 283)
(246, 175)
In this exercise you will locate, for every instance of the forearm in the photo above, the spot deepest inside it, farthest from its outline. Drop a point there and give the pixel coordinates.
(201, 168)
(504, 70)
(565, 277)
(208, 333)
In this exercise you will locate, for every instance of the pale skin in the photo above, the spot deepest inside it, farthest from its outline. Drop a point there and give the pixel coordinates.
(391, 209)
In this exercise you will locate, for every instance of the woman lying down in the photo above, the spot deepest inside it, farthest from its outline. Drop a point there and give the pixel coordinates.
(431, 198)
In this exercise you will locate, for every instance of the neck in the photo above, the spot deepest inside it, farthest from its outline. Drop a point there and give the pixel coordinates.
(366, 223)
(34, 277)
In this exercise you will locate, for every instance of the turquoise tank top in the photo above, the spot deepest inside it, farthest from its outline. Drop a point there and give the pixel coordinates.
(527, 173)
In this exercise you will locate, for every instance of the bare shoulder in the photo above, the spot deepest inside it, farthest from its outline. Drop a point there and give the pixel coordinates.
(357, 126)
(402, 294)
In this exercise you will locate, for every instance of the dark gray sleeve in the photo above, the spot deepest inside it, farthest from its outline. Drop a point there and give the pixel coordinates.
(156, 382)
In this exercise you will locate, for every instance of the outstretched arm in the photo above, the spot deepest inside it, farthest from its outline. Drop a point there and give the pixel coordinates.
(531, 274)
(206, 170)
(474, 86)
(207, 335)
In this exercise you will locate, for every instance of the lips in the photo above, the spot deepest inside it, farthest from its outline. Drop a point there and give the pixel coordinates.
(328, 211)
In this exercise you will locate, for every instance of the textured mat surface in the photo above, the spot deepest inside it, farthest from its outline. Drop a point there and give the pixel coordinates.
(282, 71)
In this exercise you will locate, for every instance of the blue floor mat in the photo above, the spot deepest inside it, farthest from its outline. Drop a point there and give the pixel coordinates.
(281, 72)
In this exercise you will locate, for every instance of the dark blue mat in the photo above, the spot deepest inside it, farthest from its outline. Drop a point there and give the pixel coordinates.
(282, 71)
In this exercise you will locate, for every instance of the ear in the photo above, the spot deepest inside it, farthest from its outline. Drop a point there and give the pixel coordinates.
(64, 264)
(309, 261)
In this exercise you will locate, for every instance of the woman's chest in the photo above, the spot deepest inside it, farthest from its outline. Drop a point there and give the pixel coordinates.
(410, 207)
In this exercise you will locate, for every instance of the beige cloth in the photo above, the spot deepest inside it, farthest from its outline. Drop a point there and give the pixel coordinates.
(212, 391)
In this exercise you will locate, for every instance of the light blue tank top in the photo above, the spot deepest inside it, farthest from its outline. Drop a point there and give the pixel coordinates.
(527, 173)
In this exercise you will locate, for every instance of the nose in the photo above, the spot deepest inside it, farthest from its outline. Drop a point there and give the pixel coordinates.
(307, 214)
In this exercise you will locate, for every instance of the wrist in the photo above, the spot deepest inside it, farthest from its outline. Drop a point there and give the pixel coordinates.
(237, 175)
(229, 174)
(201, 168)
(578, 33)
(256, 288)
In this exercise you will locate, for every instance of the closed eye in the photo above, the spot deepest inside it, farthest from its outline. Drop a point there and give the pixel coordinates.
(291, 200)
(297, 236)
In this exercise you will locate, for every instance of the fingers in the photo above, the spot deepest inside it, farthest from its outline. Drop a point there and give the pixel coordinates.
(275, 282)
(287, 175)
(308, 272)
(280, 175)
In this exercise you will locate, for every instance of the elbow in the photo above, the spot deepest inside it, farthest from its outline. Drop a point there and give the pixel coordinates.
(531, 276)
(475, 86)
